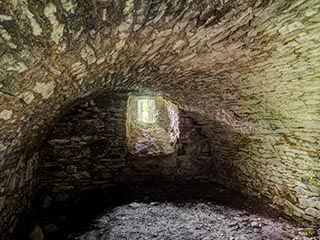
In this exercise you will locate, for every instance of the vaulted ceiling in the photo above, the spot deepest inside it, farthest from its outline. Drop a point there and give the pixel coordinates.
(204, 55)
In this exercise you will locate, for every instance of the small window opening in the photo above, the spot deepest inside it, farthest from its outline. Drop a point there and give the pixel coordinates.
(152, 126)
(146, 110)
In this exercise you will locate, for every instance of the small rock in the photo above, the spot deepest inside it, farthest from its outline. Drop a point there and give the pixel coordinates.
(154, 204)
(255, 225)
(36, 234)
(134, 205)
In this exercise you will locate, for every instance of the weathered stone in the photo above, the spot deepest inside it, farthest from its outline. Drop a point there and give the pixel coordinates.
(88, 54)
(5, 18)
(27, 97)
(303, 192)
(291, 27)
(313, 212)
(255, 225)
(294, 208)
(305, 203)
(45, 89)
(6, 114)
(36, 28)
(50, 12)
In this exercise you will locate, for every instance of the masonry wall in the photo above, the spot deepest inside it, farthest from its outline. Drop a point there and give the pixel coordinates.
(18, 187)
(86, 151)
(276, 162)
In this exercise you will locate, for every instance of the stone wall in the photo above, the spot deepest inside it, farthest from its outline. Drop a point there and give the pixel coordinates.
(277, 163)
(18, 187)
(86, 151)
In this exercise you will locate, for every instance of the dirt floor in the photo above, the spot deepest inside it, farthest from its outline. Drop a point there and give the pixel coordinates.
(186, 212)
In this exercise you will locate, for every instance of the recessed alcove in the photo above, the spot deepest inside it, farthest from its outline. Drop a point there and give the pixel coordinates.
(152, 126)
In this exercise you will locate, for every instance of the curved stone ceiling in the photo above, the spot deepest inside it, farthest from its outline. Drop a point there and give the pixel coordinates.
(197, 52)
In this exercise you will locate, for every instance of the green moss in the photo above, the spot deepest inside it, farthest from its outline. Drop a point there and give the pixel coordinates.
(310, 232)
(305, 180)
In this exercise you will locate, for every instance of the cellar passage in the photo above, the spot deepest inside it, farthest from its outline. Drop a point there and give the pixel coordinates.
(244, 76)
(88, 148)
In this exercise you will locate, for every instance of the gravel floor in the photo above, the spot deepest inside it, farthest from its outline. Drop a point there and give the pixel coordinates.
(186, 220)
(169, 212)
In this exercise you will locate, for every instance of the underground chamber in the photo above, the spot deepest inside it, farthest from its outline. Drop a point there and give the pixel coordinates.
(223, 99)
(126, 165)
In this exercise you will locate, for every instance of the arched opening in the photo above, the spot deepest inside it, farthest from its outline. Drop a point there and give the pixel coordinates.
(87, 175)
(88, 148)
(85, 157)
